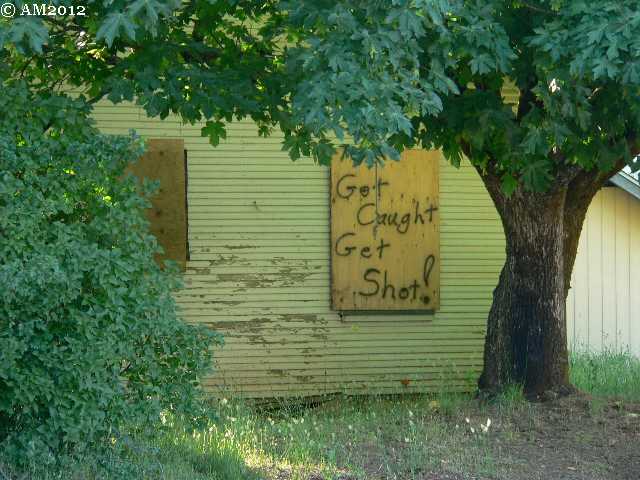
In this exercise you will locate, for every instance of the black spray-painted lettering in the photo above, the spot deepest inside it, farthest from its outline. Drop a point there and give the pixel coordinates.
(346, 189)
(367, 215)
(386, 288)
(346, 251)
(345, 192)
(429, 262)
(367, 278)
(343, 247)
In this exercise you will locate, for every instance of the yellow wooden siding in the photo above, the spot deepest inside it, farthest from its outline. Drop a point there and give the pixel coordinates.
(603, 307)
(259, 273)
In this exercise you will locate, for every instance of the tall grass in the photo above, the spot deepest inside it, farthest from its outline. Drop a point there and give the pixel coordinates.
(606, 374)
(340, 438)
(173, 453)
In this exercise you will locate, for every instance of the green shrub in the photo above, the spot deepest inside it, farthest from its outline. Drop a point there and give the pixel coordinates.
(90, 341)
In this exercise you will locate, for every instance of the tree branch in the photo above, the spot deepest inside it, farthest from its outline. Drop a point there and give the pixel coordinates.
(527, 99)
(23, 70)
(125, 369)
(200, 56)
(3, 475)
(537, 9)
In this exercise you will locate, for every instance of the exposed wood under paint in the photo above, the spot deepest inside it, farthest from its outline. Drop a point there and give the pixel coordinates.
(259, 238)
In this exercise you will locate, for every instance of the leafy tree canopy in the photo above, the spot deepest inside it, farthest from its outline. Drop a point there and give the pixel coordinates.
(390, 74)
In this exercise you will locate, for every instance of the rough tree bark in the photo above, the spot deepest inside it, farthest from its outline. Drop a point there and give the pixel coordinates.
(526, 341)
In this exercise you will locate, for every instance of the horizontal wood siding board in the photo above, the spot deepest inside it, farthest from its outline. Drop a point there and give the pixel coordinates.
(259, 273)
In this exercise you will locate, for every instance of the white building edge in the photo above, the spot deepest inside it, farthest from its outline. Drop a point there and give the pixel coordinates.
(603, 306)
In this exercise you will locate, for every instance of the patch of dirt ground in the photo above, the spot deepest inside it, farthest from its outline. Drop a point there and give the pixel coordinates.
(570, 439)
(573, 438)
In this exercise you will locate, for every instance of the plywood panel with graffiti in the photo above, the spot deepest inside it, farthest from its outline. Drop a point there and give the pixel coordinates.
(385, 242)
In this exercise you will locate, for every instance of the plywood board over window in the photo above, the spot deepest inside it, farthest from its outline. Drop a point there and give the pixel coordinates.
(385, 234)
(165, 161)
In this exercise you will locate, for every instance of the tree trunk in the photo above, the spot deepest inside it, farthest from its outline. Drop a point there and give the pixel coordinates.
(526, 332)
(526, 341)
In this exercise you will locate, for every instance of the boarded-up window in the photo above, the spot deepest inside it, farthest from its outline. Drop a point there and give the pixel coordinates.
(385, 234)
(165, 160)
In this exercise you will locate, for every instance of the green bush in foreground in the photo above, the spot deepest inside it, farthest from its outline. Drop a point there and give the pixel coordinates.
(89, 337)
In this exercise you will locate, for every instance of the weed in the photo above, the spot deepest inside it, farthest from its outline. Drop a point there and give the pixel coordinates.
(390, 437)
(610, 374)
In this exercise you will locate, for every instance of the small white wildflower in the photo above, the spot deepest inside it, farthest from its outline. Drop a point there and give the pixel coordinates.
(485, 428)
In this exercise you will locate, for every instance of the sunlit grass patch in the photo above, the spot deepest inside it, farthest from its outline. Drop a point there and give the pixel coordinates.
(174, 452)
(350, 438)
(374, 437)
(609, 373)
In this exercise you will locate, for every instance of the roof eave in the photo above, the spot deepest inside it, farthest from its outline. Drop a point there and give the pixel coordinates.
(627, 183)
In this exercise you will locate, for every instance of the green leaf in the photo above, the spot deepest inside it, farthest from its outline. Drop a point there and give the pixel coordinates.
(481, 64)
(29, 30)
(150, 11)
(596, 35)
(508, 184)
(215, 130)
(112, 25)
